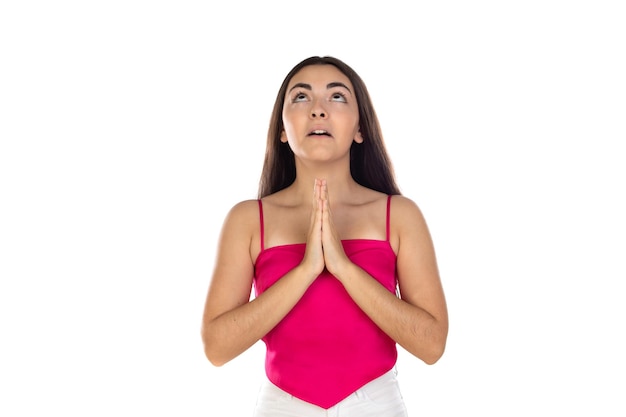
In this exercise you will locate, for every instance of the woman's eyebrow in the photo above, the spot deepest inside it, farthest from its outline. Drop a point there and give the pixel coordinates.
(306, 86)
(301, 85)
(338, 84)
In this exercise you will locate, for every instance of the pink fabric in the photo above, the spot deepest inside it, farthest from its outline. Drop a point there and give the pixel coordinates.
(327, 347)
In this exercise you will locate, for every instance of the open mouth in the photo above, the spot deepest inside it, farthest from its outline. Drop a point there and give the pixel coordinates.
(320, 132)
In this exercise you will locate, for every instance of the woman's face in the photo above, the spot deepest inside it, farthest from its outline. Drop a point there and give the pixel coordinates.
(320, 113)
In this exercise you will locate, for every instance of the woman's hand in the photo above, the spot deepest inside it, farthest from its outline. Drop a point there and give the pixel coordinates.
(334, 256)
(314, 253)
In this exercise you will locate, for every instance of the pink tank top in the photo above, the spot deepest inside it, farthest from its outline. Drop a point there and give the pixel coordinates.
(326, 347)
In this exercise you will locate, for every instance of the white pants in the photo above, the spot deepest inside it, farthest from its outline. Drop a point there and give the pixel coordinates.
(378, 398)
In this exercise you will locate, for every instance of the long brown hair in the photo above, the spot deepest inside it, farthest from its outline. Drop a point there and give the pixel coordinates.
(370, 165)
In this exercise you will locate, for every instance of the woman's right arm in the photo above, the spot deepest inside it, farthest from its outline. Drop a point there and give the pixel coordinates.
(231, 322)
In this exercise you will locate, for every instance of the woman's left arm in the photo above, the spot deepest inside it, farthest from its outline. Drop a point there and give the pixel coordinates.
(418, 320)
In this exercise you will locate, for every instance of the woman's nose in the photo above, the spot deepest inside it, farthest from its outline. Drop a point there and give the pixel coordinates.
(318, 111)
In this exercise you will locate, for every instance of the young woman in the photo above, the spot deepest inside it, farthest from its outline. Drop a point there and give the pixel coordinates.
(342, 264)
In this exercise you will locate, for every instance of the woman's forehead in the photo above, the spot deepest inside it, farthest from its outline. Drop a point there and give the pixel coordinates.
(319, 74)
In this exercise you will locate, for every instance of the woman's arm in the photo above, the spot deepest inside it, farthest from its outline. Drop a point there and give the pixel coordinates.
(231, 322)
(418, 321)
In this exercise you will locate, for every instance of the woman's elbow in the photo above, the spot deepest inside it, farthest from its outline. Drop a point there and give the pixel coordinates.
(439, 347)
(214, 359)
(435, 348)
(433, 356)
(210, 350)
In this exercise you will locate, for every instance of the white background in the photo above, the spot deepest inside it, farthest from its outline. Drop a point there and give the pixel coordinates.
(129, 128)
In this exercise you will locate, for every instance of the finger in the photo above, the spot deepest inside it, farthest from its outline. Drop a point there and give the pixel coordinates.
(325, 197)
(315, 203)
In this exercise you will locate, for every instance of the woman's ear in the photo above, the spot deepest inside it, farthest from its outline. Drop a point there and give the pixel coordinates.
(283, 137)
(358, 138)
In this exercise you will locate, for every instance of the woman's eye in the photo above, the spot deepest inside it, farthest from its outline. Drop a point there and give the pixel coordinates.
(338, 97)
(300, 97)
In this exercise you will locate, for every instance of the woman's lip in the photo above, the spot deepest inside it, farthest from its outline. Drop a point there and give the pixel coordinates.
(319, 132)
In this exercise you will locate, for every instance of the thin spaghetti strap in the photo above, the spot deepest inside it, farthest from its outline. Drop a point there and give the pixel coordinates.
(261, 221)
(388, 215)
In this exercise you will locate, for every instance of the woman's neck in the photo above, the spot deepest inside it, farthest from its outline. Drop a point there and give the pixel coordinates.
(340, 185)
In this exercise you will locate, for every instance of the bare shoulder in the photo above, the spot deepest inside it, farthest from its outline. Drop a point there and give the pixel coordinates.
(244, 211)
(243, 218)
(405, 209)
(240, 231)
(407, 221)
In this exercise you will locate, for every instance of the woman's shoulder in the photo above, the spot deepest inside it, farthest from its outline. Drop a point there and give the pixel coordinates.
(244, 212)
(407, 223)
(405, 210)
(403, 202)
